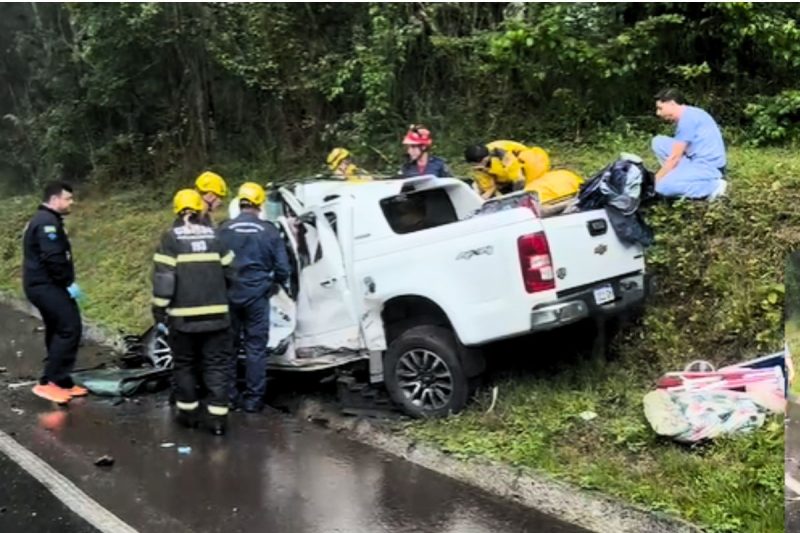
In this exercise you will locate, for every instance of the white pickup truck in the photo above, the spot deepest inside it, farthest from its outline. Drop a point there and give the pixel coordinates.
(412, 276)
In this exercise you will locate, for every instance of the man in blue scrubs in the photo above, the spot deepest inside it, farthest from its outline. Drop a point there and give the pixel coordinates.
(693, 161)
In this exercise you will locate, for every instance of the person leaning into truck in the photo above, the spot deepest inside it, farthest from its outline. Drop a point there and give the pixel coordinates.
(418, 142)
(693, 161)
(192, 272)
(341, 164)
(48, 279)
(501, 167)
(213, 189)
(262, 266)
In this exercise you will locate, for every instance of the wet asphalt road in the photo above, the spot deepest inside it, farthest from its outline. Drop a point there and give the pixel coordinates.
(26, 505)
(271, 473)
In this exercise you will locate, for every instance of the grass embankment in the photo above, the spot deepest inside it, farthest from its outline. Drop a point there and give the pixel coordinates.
(720, 298)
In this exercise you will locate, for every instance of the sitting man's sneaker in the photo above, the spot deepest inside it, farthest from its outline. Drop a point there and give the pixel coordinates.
(52, 392)
(721, 190)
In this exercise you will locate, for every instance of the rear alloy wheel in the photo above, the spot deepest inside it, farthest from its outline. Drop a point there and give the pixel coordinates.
(425, 379)
(423, 372)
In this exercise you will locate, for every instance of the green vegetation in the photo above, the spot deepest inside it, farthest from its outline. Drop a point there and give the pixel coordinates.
(720, 298)
(129, 92)
(131, 100)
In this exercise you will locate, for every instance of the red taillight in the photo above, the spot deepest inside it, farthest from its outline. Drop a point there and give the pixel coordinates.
(536, 263)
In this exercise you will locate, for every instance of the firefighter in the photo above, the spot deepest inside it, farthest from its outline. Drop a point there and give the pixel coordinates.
(341, 164)
(192, 272)
(418, 142)
(48, 279)
(262, 266)
(501, 167)
(213, 189)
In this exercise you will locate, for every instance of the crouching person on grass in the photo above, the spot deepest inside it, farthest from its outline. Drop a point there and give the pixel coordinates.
(693, 162)
(192, 273)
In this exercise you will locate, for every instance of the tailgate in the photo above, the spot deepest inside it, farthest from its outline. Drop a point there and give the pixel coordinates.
(585, 250)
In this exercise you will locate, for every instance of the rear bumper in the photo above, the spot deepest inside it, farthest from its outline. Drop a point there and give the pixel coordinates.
(630, 291)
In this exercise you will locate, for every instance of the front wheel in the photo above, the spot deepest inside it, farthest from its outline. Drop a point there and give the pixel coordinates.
(156, 349)
(424, 374)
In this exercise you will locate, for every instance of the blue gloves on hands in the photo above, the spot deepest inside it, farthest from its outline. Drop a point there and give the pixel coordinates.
(75, 292)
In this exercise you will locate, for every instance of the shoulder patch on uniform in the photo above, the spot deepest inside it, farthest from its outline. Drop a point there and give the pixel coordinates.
(49, 229)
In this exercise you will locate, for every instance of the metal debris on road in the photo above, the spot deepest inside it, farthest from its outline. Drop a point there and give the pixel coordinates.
(22, 384)
(17, 411)
(3, 369)
(184, 450)
(105, 460)
(167, 444)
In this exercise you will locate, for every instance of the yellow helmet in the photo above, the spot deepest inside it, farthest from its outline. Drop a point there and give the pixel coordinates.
(213, 183)
(252, 192)
(336, 157)
(187, 199)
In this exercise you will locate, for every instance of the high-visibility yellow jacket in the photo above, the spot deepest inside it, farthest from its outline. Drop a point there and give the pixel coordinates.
(555, 185)
(511, 161)
(354, 174)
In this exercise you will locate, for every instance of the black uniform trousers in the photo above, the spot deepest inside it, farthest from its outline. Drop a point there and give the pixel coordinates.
(205, 354)
(62, 331)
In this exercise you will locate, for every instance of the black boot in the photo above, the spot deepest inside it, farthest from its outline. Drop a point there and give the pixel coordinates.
(186, 418)
(217, 424)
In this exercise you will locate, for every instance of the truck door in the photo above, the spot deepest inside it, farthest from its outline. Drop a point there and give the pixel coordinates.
(326, 318)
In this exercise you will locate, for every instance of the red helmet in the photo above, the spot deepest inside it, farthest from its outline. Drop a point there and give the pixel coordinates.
(418, 136)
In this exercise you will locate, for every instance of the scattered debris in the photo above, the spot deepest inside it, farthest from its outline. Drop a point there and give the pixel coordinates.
(22, 384)
(3, 370)
(691, 406)
(17, 411)
(495, 391)
(588, 415)
(105, 461)
(184, 450)
(167, 444)
(19, 353)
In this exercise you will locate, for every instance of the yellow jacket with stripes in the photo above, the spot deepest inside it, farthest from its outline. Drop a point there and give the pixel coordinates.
(192, 272)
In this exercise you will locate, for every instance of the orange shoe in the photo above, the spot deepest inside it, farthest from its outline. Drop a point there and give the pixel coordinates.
(52, 392)
(76, 391)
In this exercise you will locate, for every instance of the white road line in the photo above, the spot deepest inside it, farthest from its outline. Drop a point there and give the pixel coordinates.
(792, 484)
(63, 489)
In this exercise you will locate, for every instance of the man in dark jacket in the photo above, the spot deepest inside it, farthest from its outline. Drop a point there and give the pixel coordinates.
(418, 142)
(192, 273)
(48, 278)
(262, 266)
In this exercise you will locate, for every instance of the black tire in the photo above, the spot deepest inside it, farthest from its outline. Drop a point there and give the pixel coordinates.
(423, 372)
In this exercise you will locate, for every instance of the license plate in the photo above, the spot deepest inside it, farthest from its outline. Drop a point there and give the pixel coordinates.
(604, 294)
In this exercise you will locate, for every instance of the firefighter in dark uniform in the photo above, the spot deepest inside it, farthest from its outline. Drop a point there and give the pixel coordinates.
(48, 279)
(192, 273)
(262, 266)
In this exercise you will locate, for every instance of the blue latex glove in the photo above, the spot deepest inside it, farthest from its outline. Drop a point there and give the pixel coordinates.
(75, 292)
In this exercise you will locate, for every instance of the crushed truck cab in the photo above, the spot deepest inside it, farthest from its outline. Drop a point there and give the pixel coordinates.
(413, 276)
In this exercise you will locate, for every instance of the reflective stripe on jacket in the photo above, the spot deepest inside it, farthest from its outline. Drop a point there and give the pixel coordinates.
(191, 275)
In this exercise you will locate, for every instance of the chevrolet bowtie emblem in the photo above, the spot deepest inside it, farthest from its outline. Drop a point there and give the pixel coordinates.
(601, 249)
